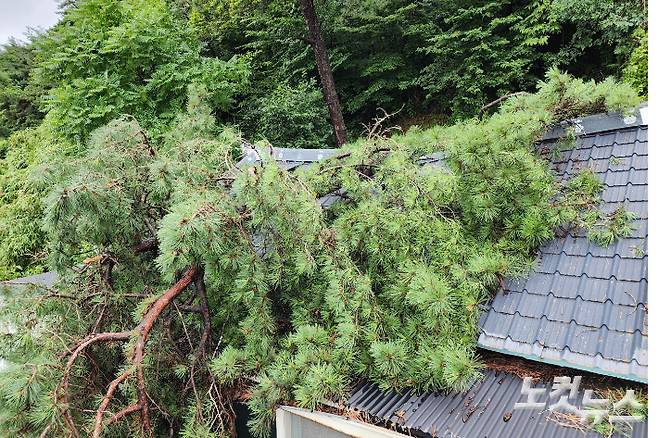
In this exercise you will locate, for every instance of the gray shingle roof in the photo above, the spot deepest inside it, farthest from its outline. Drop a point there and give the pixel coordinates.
(485, 410)
(585, 306)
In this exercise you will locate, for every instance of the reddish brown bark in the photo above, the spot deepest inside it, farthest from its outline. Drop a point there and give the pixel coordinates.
(75, 352)
(142, 332)
(324, 71)
(98, 426)
(122, 413)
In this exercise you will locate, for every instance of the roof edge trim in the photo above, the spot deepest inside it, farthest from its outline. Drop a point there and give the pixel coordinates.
(598, 123)
(565, 364)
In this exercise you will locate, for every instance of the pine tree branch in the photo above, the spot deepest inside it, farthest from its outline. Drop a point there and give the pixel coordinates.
(76, 350)
(500, 99)
(143, 330)
(98, 425)
(205, 313)
(122, 413)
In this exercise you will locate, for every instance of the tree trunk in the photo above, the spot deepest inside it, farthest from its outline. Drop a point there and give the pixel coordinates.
(324, 70)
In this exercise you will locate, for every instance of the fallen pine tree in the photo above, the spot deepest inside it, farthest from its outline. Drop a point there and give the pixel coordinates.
(189, 282)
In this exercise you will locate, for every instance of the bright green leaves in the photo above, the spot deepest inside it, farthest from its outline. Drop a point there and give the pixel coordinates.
(446, 365)
(636, 71)
(21, 204)
(385, 285)
(580, 207)
(294, 117)
(101, 200)
(585, 187)
(192, 230)
(534, 228)
(565, 97)
(487, 266)
(461, 367)
(229, 366)
(390, 362)
(321, 382)
(130, 57)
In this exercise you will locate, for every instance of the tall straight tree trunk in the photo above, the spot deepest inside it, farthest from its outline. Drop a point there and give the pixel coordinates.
(324, 70)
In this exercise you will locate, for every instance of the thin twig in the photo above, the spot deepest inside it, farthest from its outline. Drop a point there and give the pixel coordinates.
(500, 99)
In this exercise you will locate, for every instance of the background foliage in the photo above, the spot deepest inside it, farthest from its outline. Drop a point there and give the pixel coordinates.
(429, 55)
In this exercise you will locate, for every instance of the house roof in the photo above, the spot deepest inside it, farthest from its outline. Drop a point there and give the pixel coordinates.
(291, 159)
(47, 279)
(585, 306)
(287, 158)
(485, 410)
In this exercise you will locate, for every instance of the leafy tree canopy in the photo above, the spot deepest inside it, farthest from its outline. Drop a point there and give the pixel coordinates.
(429, 55)
(108, 58)
(18, 96)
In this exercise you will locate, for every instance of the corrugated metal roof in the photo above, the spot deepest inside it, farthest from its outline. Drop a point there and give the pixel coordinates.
(585, 306)
(289, 158)
(485, 410)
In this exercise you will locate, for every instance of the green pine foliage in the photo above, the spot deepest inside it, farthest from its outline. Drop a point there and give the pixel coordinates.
(108, 58)
(105, 59)
(385, 285)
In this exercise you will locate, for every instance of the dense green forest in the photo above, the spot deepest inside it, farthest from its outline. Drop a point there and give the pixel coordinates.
(120, 129)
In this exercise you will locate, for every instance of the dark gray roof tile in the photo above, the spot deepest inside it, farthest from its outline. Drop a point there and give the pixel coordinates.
(628, 192)
(624, 177)
(641, 148)
(641, 353)
(585, 305)
(639, 208)
(626, 149)
(624, 136)
(639, 161)
(597, 153)
(581, 246)
(640, 228)
(571, 166)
